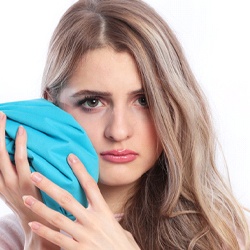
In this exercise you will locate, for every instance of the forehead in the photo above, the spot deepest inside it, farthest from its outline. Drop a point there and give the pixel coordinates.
(106, 68)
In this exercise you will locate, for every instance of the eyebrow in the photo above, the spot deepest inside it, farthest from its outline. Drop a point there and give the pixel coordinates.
(91, 92)
(103, 93)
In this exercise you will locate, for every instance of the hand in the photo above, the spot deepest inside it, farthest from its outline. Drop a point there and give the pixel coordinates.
(95, 226)
(15, 181)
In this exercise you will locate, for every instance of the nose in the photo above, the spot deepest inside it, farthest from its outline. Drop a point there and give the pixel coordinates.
(119, 125)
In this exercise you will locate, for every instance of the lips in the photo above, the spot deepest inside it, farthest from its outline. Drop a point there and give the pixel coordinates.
(119, 156)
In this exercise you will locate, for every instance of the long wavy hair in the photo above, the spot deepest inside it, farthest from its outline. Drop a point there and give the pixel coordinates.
(182, 202)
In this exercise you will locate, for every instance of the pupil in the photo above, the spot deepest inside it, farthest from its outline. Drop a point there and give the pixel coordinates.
(143, 101)
(92, 102)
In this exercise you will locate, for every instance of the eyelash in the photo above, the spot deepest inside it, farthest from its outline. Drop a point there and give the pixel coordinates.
(81, 103)
(142, 97)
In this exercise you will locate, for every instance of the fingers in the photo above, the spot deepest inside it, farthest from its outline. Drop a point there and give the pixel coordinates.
(14, 179)
(53, 236)
(19, 174)
(2, 131)
(2, 145)
(22, 164)
(89, 185)
(21, 160)
(61, 196)
(54, 218)
(5, 162)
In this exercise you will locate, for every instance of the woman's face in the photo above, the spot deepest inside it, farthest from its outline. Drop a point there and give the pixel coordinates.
(105, 96)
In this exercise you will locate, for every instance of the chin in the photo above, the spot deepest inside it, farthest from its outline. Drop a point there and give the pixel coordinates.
(118, 181)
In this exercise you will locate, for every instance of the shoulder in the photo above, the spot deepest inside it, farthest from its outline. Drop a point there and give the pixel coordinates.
(11, 233)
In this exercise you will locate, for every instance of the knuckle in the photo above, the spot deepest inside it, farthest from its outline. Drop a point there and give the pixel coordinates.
(20, 158)
(45, 233)
(58, 238)
(90, 184)
(95, 226)
(3, 151)
(65, 199)
(56, 220)
(10, 183)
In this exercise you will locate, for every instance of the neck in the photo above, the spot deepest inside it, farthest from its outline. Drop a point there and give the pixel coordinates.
(116, 196)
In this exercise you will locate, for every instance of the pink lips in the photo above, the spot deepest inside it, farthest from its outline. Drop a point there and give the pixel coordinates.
(119, 156)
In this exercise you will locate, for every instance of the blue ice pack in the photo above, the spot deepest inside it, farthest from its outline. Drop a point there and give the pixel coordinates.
(52, 135)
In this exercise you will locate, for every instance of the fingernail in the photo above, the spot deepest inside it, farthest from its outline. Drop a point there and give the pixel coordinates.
(20, 130)
(34, 225)
(28, 200)
(2, 115)
(72, 158)
(36, 177)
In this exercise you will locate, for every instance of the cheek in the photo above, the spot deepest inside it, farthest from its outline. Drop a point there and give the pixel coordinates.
(92, 126)
(93, 134)
(148, 136)
(85, 121)
(149, 132)
(155, 141)
(90, 123)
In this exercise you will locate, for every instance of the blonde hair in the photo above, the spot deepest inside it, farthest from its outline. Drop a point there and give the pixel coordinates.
(182, 202)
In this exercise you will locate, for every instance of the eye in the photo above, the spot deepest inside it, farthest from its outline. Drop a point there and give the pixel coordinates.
(142, 101)
(90, 103)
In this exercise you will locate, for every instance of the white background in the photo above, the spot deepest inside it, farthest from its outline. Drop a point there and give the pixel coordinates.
(214, 35)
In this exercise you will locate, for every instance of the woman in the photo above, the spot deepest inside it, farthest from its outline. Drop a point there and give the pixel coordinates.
(116, 66)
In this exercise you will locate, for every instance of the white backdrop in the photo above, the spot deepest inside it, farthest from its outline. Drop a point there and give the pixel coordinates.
(215, 38)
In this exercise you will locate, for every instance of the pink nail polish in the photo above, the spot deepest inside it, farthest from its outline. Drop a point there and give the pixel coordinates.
(20, 130)
(29, 200)
(34, 225)
(36, 177)
(72, 158)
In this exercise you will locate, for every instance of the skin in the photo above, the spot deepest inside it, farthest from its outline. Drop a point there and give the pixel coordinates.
(15, 182)
(117, 118)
